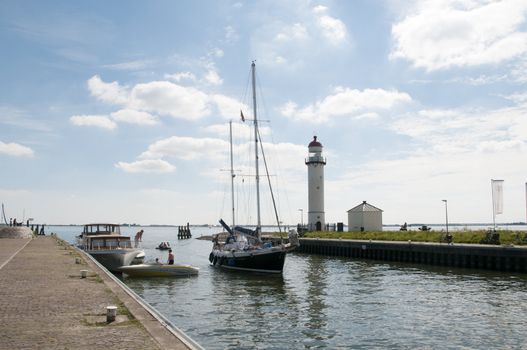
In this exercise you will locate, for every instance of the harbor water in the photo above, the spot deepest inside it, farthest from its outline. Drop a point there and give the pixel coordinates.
(331, 302)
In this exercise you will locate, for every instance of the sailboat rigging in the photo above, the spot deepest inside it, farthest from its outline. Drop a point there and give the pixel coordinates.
(243, 248)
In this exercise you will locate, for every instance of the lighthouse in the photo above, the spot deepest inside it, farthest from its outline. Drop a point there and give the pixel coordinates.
(315, 179)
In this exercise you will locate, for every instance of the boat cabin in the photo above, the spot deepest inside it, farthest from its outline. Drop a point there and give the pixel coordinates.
(100, 242)
(101, 229)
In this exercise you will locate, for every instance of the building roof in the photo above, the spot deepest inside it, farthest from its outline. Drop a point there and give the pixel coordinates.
(314, 143)
(364, 207)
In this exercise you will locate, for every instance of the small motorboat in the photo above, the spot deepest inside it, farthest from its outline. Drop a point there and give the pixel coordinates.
(164, 246)
(159, 270)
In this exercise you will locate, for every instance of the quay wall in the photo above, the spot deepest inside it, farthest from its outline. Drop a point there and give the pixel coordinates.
(478, 256)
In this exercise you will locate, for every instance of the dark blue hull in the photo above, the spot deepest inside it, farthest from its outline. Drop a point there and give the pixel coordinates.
(268, 262)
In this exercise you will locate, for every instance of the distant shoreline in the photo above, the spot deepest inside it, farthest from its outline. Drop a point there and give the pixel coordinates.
(294, 225)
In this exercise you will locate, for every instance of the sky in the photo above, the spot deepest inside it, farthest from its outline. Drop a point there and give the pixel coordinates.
(119, 111)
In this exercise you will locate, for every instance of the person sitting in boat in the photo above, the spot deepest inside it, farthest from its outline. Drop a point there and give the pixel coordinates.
(170, 257)
(164, 245)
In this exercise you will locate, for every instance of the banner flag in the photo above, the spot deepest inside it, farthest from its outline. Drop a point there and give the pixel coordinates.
(497, 196)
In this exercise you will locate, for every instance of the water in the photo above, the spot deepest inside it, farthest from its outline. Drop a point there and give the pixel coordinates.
(328, 302)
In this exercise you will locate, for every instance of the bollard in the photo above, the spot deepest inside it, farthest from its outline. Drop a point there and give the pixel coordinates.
(77, 260)
(84, 273)
(111, 312)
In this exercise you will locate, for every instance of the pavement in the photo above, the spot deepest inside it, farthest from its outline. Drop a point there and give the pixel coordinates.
(45, 304)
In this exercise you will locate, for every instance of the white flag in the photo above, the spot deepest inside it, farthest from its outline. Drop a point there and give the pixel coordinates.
(497, 196)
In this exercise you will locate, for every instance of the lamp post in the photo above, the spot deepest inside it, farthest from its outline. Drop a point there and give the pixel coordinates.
(446, 214)
(301, 218)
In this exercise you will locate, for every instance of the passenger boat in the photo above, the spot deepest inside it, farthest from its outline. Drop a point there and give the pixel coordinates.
(243, 248)
(159, 270)
(105, 243)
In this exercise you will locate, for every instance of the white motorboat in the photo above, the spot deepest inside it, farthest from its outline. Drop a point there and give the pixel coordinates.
(105, 243)
(159, 270)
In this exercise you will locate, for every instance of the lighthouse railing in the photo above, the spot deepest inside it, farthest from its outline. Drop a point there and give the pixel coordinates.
(315, 159)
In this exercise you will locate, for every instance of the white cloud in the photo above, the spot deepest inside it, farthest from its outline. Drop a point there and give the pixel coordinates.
(448, 33)
(472, 131)
(107, 92)
(346, 102)
(212, 77)
(129, 66)
(146, 166)
(134, 117)
(98, 121)
(228, 107)
(181, 76)
(15, 150)
(293, 32)
(186, 148)
(332, 28)
(231, 35)
(167, 98)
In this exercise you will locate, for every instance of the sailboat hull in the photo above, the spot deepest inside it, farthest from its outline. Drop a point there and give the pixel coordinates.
(264, 260)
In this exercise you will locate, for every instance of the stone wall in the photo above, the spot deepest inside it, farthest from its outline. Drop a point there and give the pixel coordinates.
(15, 232)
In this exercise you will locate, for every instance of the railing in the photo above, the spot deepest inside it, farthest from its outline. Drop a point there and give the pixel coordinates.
(315, 159)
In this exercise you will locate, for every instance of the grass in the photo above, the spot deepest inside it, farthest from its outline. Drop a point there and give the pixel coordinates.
(466, 236)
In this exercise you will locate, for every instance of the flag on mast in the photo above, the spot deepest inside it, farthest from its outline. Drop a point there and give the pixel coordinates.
(497, 196)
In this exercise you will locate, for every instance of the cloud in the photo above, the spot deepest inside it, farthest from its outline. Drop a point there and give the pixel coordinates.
(134, 117)
(19, 118)
(146, 166)
(15, 150)
(186, 148)
(167, 98)
(466, 131)
(130, 65)
(181, 76)
(231, 35)
(332, 28)
(445, 34)
(107, 92)
(346, 102)
(98, 121)
(310, 34)
(228, 107)
(212, 77)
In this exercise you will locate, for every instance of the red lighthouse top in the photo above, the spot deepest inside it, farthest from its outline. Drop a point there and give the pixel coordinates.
(315, 143)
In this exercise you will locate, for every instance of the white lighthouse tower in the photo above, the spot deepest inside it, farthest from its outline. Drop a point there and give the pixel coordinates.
(315, 178)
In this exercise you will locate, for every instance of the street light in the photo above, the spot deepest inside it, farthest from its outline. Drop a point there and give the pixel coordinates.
(446, 214)
(301, 217)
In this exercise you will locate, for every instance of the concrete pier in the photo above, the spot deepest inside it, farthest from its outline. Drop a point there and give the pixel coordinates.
(45, 304)
(490, 257)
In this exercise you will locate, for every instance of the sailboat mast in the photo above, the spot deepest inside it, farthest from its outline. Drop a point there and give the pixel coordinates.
(259, 221)
(232, 174)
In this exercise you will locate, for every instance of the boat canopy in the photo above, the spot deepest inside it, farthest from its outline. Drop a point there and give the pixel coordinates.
(101, 229)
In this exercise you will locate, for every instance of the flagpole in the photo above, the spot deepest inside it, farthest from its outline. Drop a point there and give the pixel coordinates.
(493, 206)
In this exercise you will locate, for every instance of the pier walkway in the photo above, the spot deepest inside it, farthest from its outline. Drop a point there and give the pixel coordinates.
(45, 304)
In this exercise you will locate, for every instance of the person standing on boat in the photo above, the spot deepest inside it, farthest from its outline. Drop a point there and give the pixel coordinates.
(170, 257)
(138, 237)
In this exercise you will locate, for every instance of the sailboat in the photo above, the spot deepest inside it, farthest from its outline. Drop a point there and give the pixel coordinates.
(243, 248)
